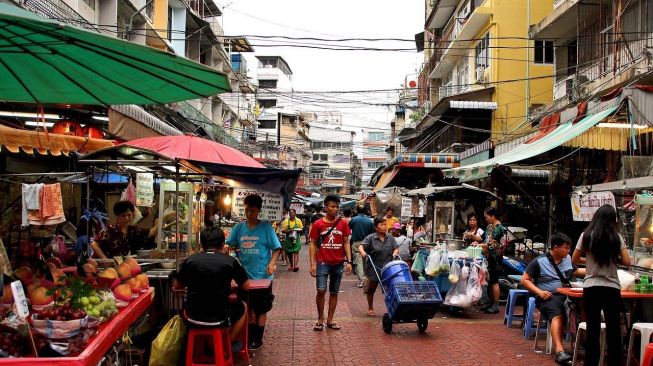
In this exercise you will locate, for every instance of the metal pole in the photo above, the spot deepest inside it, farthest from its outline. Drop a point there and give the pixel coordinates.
(177, 241)
(88, 207)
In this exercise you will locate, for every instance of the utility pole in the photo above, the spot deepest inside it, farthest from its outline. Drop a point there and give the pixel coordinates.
(267, 136)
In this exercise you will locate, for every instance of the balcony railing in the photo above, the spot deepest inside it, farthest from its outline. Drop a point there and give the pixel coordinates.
(58, 10)
(449, 90)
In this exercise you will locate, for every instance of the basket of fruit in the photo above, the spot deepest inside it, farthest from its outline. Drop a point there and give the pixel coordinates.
(61, 322)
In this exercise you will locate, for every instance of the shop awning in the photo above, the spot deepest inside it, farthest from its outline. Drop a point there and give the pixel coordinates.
(559, 136)
(632, 184)
(426, 160)
(33, 142)
(386, 178)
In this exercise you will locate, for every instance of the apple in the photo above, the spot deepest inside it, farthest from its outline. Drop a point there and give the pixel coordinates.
(35, 283)
(39, 296)
(124, 271)
(89, 270)
(133, 264)
(134, 284)
(56, 261)
(24, 274)
(144, 280)
(123, 292)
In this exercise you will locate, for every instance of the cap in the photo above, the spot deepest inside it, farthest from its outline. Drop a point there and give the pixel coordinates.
(396, 226)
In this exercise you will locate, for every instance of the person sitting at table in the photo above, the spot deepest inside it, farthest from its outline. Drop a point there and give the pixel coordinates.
(122, 238)
(207, 277)
(541, 279)
(259, 248)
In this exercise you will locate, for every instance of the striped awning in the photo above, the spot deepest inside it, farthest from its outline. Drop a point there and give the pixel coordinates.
(564, 133)
(426, 160)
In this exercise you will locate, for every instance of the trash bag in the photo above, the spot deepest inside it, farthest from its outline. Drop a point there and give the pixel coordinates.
(166, 348)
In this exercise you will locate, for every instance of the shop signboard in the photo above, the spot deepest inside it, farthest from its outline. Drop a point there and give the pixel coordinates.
(144, 189)
(298, 207)
(584, 206)
(272, 204)
(406, 207)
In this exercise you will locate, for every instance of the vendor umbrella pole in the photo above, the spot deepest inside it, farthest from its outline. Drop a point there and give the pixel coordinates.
(177, 241)
(31, 338)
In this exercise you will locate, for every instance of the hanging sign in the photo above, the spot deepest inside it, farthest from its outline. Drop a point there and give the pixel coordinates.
(584, 206)
(406, 207)
(22, 309)
(272, 204)
(144, 189)
(298, 207)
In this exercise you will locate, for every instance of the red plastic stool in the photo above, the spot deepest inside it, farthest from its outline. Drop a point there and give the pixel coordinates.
(218, 339)
(648, 355)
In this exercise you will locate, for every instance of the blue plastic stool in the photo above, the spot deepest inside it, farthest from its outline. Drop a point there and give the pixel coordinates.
(511, 304)
(530, 327)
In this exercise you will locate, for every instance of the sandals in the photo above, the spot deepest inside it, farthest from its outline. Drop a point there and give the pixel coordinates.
(333, 326)
(318, 326)
(371, 313)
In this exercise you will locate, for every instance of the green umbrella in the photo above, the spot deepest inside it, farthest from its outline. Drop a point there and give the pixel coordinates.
(43, 61)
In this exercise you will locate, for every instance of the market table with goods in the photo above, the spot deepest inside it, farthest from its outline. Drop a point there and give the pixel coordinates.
(73, 317)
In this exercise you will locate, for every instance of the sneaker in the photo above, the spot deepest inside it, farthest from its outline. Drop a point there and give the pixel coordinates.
(255, 345)
(494, 309)
(563, 358)
(360, 283)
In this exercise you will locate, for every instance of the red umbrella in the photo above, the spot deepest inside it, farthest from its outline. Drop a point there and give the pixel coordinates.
(195, 148)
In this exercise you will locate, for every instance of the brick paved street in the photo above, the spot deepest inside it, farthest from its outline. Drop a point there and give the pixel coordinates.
(470, 339)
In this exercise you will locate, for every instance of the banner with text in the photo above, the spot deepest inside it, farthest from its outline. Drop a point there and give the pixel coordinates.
(406, 207)
(584, 206)
(144, 189)
(272, 204)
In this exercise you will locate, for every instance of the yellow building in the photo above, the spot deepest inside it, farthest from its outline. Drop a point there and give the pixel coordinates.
(482, 75)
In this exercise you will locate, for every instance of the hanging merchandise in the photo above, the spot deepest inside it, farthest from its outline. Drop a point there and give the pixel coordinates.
(457, 295)
(31, 201)
(50, 210)
(129, 194)
(474, 288)
(454, 274)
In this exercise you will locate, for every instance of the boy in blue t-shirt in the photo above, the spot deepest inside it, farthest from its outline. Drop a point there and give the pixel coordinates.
(259, 248)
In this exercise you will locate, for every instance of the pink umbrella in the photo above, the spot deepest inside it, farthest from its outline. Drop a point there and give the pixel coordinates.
(195, 148)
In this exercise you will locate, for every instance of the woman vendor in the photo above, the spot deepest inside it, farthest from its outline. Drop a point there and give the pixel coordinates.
(474, 234)
(381, 247)
(122, 238)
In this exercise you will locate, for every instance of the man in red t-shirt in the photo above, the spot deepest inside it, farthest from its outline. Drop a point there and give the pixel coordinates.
(328, 251)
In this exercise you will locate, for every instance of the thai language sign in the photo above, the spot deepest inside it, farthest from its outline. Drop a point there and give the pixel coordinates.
(272, 204)
(144, 189)
(584, 206)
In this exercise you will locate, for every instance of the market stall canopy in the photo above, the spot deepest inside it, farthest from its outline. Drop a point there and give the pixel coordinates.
(553, 139)
(250, 174)
(429, 190)
(31, 142)
(44, 61)
(196, 149)
(632, 184)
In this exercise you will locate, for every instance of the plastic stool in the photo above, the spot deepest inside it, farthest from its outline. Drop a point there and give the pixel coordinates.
(219, 337)
(529, 326)
(583, 326)
(549, 340)
(511, 304)
(648, 355)
(646, 330)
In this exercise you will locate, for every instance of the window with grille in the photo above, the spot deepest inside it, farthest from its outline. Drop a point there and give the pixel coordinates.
(482, 58)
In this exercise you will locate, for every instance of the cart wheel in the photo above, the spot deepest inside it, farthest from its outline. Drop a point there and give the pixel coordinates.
(387, 323)
(422, 324)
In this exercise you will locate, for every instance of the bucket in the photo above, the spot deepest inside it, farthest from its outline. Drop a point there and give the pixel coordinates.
(395, 271)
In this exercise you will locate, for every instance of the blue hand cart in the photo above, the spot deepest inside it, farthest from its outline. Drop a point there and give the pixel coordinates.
(407, 301)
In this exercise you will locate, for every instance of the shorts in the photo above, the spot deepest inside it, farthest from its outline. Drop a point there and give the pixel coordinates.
(261, 301)
(493, 268)
(553, 307)
(332, 272)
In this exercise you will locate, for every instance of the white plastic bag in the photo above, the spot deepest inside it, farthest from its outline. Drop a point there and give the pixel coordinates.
(454, 273)
(457, 295)
(433, 263)
(474, 289)
(444, 262)
(626, 279)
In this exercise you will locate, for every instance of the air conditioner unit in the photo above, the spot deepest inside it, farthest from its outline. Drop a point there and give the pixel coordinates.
(480, 75)
(465, 10)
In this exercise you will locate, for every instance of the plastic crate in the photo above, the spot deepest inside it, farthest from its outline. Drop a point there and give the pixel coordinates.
(412, 299)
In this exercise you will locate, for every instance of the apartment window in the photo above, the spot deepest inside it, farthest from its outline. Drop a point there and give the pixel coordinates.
(267, 84)
(482, 58)
(267, 125)
(375, 164)
(90, 3)
(376, 150)
(462, 74)
(543, 52)
(267, 103)
(375, 136)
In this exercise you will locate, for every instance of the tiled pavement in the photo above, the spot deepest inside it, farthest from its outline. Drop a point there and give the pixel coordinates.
(472, 338)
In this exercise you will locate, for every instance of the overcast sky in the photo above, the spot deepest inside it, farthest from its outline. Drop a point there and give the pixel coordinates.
(322, 70)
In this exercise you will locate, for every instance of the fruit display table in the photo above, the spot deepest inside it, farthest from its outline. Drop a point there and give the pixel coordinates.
(101, 343)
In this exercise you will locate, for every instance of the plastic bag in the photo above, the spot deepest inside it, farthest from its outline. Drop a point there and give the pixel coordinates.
(483, 273)
(457, 295)
(166, 348)
(444, 262)
(129, 194)
(454, 272)
(433, 263)
(474, 288)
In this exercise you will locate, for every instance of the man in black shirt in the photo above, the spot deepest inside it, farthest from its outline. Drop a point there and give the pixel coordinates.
(207, 276)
